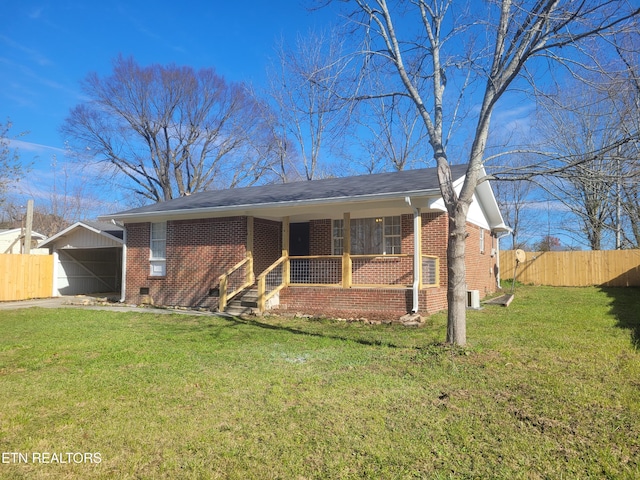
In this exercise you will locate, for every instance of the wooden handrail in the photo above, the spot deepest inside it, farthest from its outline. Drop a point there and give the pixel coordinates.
(234, 268)
(224, 282)
(263, 295)
(273, 266)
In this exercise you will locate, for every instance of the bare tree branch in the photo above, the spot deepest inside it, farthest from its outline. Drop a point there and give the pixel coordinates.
(169, 130)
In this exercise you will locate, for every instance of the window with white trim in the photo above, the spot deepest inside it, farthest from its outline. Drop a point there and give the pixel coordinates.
(481, 240)
(158, 248)
(338, 237)
(369, 236)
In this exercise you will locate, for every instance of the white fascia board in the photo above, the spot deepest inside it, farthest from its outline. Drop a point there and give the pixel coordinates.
(490, 206)
(255, 209)
(64, 232)
(484, 210)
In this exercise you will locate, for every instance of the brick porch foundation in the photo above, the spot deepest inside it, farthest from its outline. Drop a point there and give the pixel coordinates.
(360, 302)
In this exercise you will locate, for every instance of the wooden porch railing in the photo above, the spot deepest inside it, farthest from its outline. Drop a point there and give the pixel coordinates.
(272, 280)
(234, 280)
(376, 271)
(316, 270)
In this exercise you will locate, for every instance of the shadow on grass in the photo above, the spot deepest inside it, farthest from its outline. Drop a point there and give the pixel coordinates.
(625, 305)
(190, 327)
(297, 331)
(430, 347)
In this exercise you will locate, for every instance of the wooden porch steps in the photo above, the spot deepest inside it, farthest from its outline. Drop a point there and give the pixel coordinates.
(245, 303)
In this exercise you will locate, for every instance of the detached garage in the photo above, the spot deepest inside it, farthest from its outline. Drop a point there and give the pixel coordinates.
(87, 258)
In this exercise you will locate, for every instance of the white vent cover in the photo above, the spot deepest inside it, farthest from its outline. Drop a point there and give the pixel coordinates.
(473, 299)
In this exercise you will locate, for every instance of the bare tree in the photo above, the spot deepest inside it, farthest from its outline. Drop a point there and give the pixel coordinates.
(11, 167)
(168, 130)
(303, 86)
(514, 199)
(433, 45)
(627, 185)
(395, 136)
(594, 182)
(43, 221)
(574, 126)
(68, 198)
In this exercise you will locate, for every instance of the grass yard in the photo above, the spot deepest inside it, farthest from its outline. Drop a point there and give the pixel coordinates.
(548, 388)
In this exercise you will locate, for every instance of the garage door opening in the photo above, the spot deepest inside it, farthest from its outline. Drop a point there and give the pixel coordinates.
(86, 271)
(87, 258)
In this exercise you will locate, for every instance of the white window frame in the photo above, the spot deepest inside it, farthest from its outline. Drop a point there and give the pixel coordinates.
(157, 244)
(481, 242)
(337, 237)
(390, 231)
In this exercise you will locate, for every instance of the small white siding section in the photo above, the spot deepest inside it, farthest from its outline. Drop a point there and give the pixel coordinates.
(10, 242)
(476, 214)
(84, 238)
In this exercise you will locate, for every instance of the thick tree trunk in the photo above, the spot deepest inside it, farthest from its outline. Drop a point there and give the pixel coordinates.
(457, 276)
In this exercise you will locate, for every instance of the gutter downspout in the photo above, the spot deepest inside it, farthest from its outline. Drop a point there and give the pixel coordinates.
(123, 279)
(417, 255)
(498, 257)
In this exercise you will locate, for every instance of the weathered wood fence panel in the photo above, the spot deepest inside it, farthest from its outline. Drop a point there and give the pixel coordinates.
(25, 276)
(612, 268)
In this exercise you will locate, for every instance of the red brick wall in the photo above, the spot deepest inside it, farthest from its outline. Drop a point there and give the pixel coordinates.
(198, 252)
(480, 265)
(320, 237)
(267, 244)
(371, 303)
(480, 271)
(435, 232)
(138, 253)
(382, 271)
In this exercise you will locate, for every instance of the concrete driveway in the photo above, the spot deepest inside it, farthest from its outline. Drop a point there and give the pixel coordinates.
(90, 303)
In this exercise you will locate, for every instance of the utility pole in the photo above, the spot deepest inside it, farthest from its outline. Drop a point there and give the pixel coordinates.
(28, 227)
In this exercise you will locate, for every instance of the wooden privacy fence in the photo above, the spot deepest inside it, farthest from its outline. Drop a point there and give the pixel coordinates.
(611, 268)
(25, 276)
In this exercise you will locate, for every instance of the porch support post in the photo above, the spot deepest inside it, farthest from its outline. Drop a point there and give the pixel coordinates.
(250, 278)
(285, 251)
(249, 236)
(417, 255)
(417, 239)
(346, 250)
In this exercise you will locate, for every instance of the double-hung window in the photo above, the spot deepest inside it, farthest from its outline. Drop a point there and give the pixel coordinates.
(369, 236)
(158, 247)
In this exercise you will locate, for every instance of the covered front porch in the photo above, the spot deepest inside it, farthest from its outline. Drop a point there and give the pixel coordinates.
(316, 261)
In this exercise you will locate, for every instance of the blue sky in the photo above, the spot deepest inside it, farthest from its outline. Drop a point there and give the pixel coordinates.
(48, 47)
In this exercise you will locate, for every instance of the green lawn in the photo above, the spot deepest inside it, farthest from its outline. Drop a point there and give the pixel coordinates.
(548, 388)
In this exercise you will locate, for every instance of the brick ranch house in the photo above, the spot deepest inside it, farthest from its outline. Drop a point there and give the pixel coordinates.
(365, 245)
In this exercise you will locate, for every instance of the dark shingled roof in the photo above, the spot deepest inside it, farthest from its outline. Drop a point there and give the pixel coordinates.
(329, 188)
(106, 227)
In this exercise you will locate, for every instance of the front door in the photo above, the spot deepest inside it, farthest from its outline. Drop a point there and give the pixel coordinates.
(299, 247)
